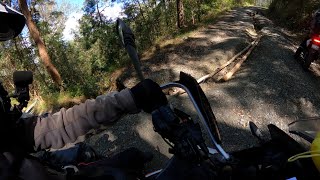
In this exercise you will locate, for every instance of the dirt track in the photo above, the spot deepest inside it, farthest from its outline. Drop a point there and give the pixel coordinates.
(270, 87)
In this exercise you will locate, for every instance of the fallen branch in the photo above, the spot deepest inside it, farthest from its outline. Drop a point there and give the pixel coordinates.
(204, 78)
(249, 49)
(228, 76)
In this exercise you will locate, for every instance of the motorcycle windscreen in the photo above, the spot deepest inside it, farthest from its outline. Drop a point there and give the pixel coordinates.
(306, 128)
(202, 102)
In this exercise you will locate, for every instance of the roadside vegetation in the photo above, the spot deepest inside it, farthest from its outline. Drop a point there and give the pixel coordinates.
(294, 14)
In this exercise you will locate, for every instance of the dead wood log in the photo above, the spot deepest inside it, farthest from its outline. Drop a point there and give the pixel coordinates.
(249, 48)
(228, 76)
(204, 78)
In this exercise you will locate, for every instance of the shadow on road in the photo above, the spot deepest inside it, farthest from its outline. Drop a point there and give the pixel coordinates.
(270, 87)
(137, 131)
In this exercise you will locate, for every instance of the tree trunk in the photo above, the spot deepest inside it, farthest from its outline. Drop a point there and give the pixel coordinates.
(141, 11)
(180, 14)
(99, 14)
(165, 11)
(43, 53)
(199, 2)
(192, 17)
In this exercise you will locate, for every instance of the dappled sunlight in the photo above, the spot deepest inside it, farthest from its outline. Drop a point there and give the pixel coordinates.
(307, 107)
(104, 143)
(146, 132)
(131, 131)
(193, 57)
(315, 69)
(267, 89)
(234, 129)
(111, 136)
(270, 87)
(198, 53)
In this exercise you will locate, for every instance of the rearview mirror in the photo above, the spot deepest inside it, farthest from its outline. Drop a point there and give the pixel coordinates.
(127, 40)
(125, 34)
(120, 31)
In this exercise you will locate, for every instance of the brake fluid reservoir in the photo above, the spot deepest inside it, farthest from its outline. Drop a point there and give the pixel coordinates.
(315, 151)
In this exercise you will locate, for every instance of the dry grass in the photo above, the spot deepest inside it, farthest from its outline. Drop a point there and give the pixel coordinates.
(54, 102)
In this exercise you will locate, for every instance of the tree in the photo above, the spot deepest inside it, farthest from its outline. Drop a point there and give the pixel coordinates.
(43, 53)
(180, 14)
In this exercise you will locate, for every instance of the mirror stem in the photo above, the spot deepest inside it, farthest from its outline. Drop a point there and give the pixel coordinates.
(135, 60)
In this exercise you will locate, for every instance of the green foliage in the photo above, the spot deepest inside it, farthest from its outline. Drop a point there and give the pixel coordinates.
(295, 14)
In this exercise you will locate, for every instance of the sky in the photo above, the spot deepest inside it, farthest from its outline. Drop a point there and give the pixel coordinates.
(72, 21)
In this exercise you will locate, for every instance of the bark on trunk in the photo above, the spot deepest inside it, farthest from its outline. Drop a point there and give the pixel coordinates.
(192, 17)
(164, 9)
(43, 53)
(180, 14)
(99, 14)
(199, 2)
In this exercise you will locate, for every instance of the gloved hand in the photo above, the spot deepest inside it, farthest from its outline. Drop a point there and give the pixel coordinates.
(148, 95)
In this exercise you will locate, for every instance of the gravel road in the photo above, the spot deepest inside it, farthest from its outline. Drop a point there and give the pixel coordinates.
(270, 86)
